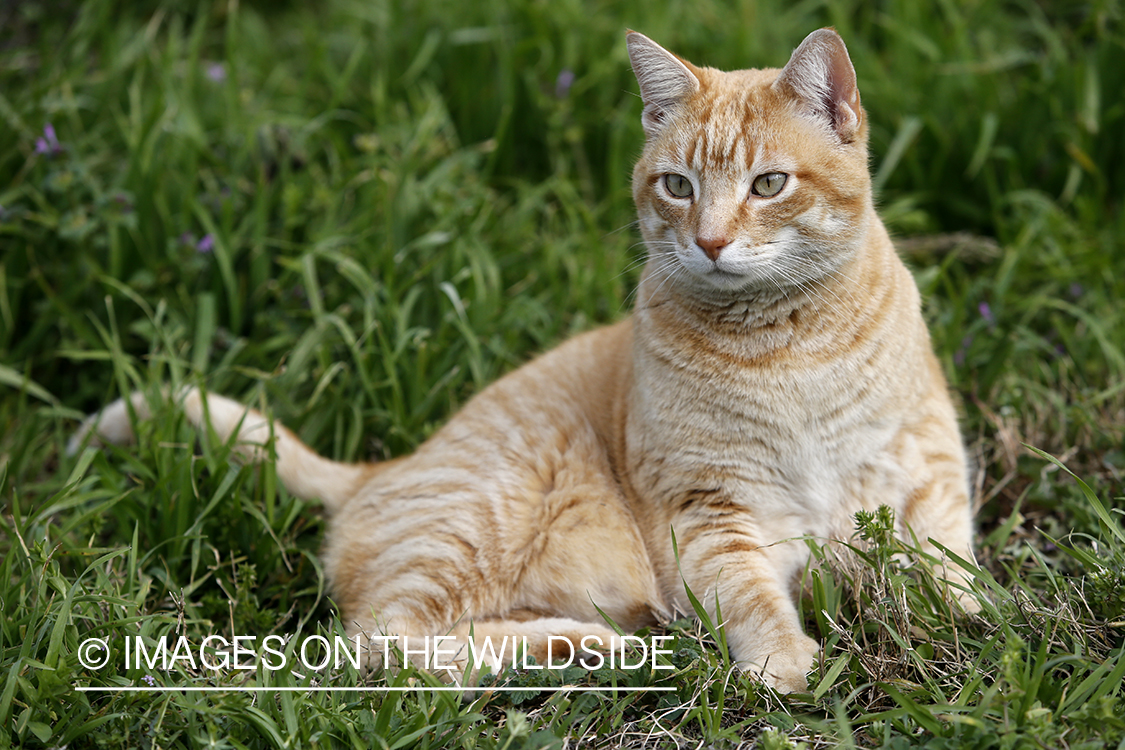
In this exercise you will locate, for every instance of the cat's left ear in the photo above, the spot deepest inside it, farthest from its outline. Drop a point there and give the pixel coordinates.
(664, 79)
(821, 75)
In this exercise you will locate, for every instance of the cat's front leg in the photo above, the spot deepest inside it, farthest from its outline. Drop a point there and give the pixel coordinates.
(752, 583)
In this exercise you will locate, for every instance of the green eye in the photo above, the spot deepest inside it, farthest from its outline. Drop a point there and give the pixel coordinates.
(769, 184)
(678, 185)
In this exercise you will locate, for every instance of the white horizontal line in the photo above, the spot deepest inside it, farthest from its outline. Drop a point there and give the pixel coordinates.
(419, 689)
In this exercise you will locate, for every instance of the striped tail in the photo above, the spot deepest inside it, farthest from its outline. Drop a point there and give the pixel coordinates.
(303, 472)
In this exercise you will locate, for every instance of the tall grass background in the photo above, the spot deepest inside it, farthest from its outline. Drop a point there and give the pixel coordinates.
(360, 213)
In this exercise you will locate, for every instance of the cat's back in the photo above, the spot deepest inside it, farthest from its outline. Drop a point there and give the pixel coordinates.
(563, 408)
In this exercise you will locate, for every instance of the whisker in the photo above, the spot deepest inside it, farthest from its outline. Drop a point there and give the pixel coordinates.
(623, 227)
(665, 262)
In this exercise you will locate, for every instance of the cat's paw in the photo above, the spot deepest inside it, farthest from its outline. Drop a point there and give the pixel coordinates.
(786, 667)
(959, 584)
(968, 601)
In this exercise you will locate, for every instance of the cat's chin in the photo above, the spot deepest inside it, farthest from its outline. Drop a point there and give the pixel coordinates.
(727, 283)
(723, 288)
(744, 272)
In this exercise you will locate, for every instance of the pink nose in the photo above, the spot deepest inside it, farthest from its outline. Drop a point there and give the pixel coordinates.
(712, 246)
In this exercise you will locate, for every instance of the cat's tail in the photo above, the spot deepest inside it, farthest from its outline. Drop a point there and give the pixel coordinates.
(303, 472)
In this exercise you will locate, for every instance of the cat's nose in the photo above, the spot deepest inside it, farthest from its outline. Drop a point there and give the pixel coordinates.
(712, 246)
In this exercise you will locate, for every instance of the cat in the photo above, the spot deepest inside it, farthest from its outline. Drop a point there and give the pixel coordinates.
(775, 378)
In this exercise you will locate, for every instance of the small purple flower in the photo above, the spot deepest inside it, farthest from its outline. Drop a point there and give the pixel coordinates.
(206, 244)
(986, 313)
(1076, 290)
(217, 72)
(123, 203)
(563, 83)
(149, 679)
(49, 143)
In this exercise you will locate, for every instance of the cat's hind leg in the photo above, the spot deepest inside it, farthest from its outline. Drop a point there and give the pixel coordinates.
(939, 507)
(940, 513)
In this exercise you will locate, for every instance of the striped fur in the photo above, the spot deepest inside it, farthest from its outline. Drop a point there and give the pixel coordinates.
(775, 378)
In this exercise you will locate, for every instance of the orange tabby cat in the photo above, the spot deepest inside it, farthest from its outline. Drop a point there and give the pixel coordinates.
(775, 378)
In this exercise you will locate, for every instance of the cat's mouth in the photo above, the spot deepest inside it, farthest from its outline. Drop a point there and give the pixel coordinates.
(726, 280)
(739, 268)
(720, 273)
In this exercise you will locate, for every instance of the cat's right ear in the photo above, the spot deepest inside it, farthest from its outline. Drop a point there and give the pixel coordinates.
(820, 74)
(664, 79)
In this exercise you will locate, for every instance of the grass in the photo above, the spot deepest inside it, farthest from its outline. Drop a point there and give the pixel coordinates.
(362, 213)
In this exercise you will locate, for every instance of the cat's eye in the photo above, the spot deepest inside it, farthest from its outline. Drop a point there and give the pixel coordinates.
(678, 185)
(769, 184)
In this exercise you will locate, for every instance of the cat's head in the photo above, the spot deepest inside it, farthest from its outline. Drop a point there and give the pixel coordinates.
(752, 180)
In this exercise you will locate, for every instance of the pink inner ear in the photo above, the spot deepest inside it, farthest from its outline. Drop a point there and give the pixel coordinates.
(663, 78)
(820, 73)
(845, 94)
